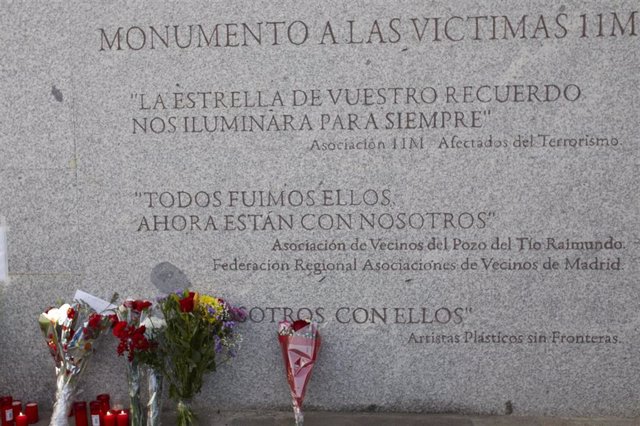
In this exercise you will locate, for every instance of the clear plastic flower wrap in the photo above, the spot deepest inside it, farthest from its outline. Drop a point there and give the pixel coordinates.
(71, 332)
(300, 343)
(155, 382)
(154, 331)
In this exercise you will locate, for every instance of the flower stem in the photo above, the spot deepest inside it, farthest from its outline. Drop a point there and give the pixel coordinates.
(185, 414)
(297, 412)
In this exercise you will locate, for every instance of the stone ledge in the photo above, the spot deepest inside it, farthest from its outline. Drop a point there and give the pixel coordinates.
(321, 418)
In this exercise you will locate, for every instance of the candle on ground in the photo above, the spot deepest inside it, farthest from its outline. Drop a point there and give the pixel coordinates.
(123, 418)
(17, 408)
(22, 420)
(80, 411)
(95, 407)
(6, 410)
(109, 419)
(105, 399)
(31, 410)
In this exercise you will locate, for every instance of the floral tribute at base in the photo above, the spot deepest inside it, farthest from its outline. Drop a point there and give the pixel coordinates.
(176, 341)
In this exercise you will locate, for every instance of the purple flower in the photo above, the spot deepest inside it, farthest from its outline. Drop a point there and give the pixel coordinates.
(238, 314)
(218, 344)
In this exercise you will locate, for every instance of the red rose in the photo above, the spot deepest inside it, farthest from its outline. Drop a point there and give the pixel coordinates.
(187, 303)
(71, 314)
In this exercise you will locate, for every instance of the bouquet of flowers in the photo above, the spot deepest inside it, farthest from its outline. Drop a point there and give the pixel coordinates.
(300, 343)
(133, 340)
(71, 332)
(199, 335)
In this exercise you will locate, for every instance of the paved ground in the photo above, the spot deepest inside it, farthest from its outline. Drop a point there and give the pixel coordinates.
(248, 418)
(367, 419)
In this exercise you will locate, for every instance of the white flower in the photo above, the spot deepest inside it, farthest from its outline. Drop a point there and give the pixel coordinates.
(57, 315)
(154, 323)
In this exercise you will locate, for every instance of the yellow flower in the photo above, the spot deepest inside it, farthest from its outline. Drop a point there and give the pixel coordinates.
(211, 307)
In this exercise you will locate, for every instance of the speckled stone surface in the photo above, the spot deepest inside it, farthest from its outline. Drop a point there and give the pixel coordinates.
(449, 187)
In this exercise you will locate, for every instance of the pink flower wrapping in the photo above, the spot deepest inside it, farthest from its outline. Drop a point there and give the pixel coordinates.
(300, 343)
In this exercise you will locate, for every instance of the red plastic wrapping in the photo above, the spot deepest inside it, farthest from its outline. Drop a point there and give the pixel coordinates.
(300, 343)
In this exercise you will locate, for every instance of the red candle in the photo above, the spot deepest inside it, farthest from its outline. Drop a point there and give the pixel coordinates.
(80, 411)
(109, 419)
(95, 407)
(123, 418)
(22, 420)
(32, 412)
(105, 401)
(17, 408)
(6, 408)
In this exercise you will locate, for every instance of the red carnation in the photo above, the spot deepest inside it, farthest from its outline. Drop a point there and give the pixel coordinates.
(95, 320)
(137, 305)
(138, 340)
(131, 340)
(122, 346)
(113, 318)
(120, 329)
(143, 304)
